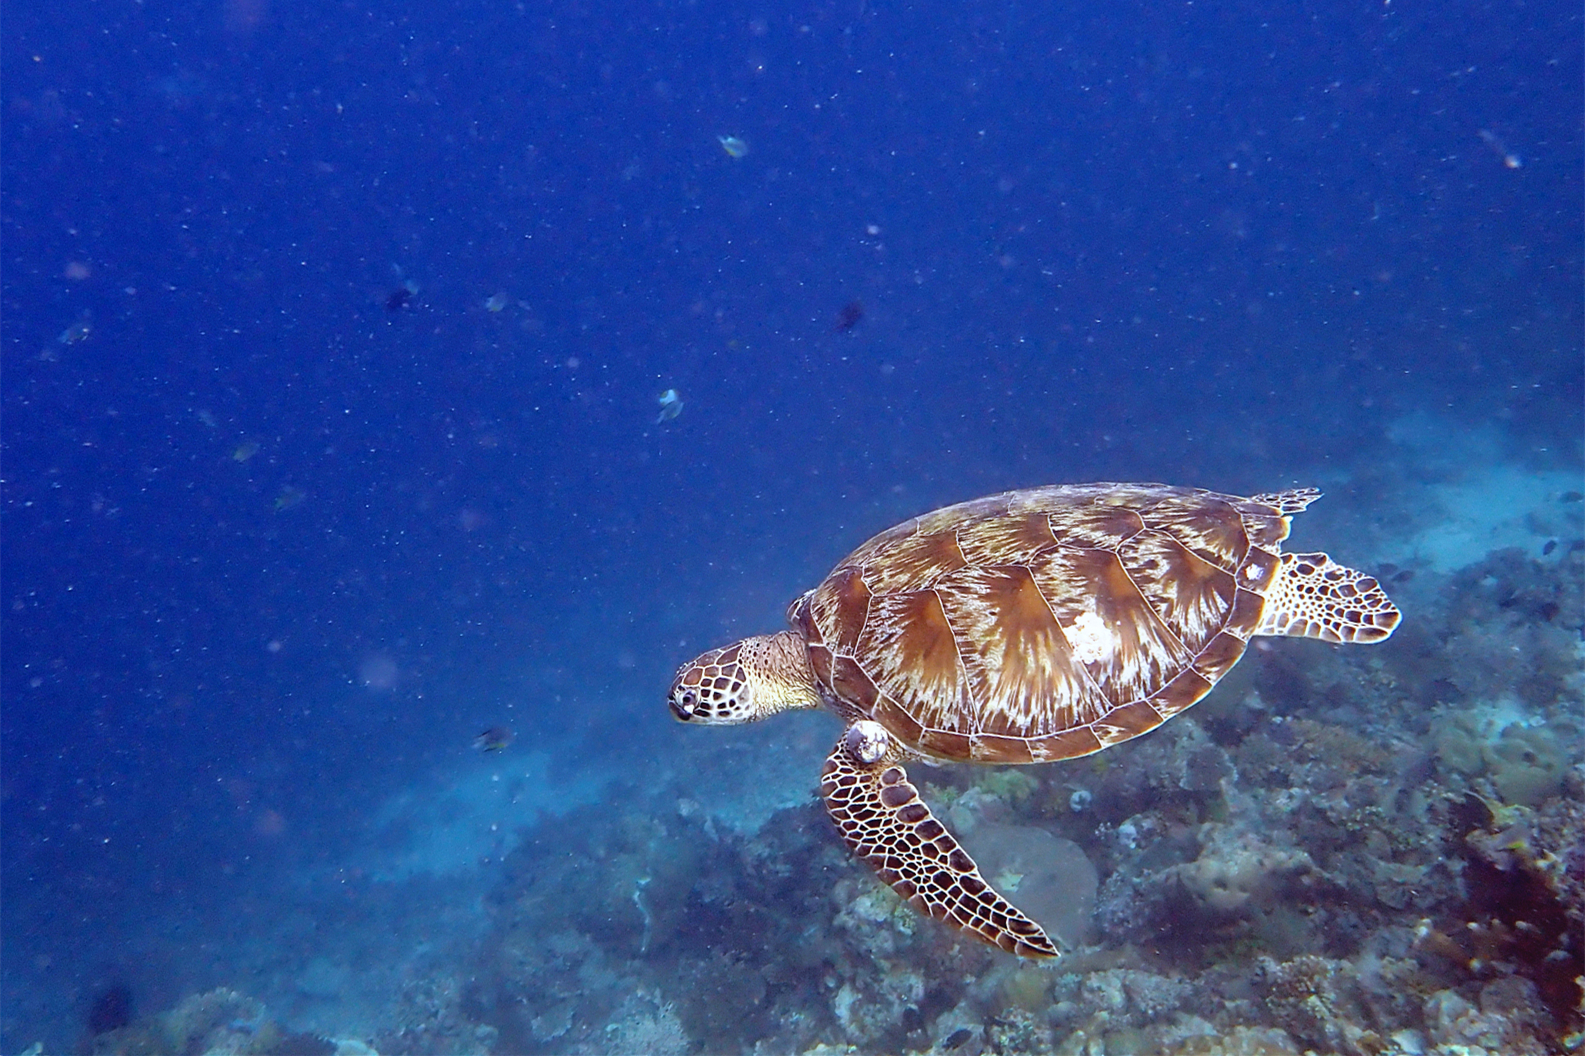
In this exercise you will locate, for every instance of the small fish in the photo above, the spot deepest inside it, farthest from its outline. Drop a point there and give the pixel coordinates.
(493, 740)
(289, 497)
(496, 302)
(245, 450)
(849, 317)
(401, 296)
(79, 330)
(1008, 880)
(670, 406)
(734, 146)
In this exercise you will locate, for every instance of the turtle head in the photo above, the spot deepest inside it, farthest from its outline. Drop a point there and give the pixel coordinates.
(747, 680)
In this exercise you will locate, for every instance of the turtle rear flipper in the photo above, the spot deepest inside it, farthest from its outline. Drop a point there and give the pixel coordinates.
(883, 820)
(1315, 597)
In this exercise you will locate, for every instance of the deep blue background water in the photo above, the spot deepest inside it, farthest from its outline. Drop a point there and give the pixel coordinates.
(1219, 244)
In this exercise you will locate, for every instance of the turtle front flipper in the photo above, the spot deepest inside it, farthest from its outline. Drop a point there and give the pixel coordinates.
(1315, 597)
(883, 820)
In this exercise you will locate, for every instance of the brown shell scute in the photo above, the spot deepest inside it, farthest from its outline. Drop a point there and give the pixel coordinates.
(1046, 623)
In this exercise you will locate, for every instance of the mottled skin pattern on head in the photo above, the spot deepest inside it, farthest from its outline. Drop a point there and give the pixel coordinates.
(1025, 627)
(748, 680)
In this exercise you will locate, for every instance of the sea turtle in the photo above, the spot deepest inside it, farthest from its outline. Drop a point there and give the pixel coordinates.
(1025, 627)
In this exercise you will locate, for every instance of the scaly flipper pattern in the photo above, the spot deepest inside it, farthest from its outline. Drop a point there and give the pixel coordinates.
(883, 820)
(1315, 597)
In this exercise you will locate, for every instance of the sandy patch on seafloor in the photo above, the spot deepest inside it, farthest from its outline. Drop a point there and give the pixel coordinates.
(1483, 503)
(476, 815)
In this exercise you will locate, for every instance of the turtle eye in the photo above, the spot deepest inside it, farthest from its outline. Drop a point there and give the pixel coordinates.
(683, 704)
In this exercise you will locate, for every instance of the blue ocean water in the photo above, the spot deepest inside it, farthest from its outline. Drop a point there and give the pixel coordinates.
(334, 344)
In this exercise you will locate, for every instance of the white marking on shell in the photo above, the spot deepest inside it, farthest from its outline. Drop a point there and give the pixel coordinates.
(867, 740)
(1254, 572)
(1091, 639)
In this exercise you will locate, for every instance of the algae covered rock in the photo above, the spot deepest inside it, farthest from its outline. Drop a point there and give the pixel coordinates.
(1054, 880)
(1526, 764)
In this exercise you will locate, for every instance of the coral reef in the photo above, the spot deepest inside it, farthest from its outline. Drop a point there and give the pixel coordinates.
(1338, 853)
(217, 1023)
(1366, 853)
(433, 1018)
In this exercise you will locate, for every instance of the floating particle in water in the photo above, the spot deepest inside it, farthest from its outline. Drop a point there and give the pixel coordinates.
(1509, 158)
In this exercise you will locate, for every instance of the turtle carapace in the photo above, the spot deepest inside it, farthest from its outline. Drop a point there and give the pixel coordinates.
(1026, 627)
